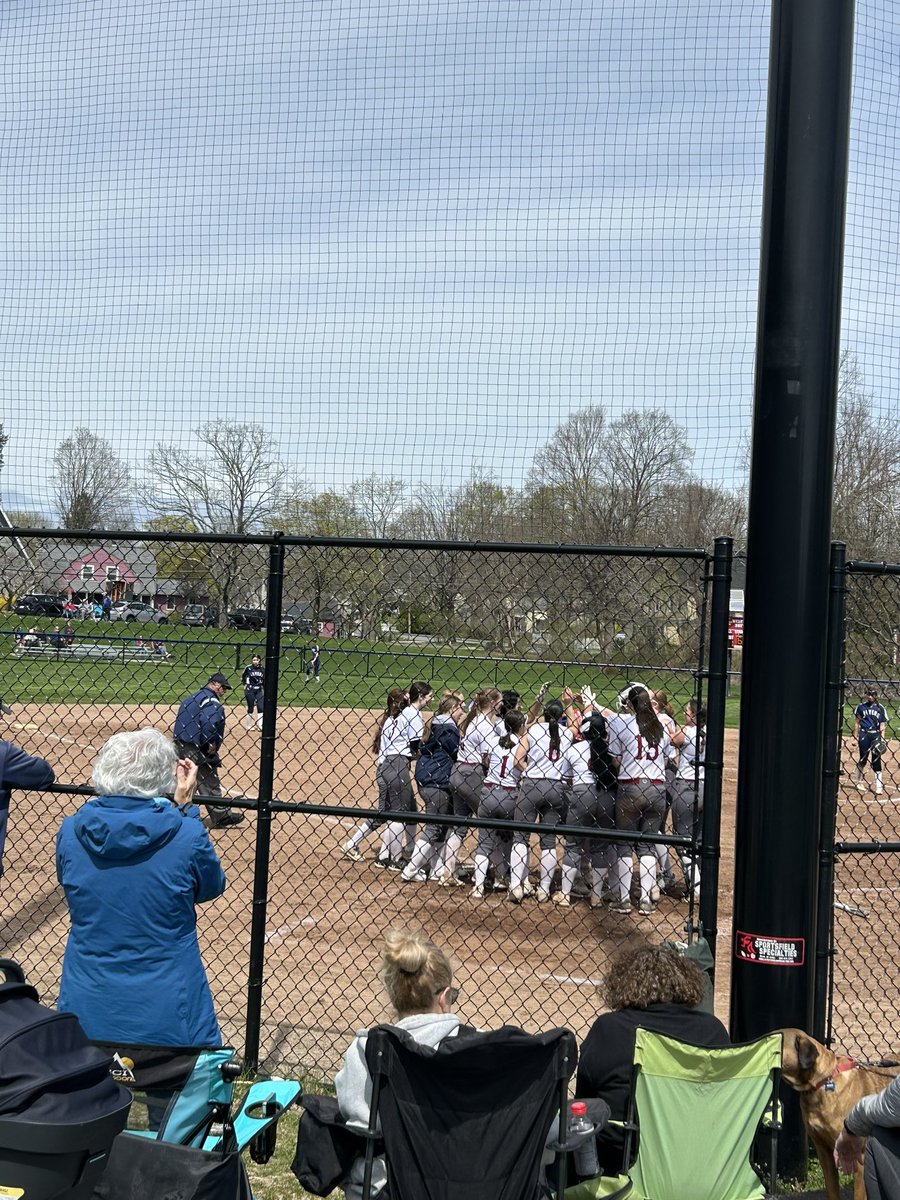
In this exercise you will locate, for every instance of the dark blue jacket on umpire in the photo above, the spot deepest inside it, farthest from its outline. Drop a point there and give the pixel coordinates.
(18, 770)
(438, 754)
(201, 720)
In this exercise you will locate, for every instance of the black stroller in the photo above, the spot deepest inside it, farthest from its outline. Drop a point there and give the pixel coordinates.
(60, 1109)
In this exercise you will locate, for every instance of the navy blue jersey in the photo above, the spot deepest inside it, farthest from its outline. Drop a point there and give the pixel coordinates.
(201, 719)
(252, 678)
(871, 717)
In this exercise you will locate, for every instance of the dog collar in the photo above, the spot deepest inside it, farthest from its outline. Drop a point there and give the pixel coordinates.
(848, 1064)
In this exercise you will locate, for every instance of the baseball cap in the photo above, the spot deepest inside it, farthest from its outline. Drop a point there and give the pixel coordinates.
(219, 678)
(4, 708)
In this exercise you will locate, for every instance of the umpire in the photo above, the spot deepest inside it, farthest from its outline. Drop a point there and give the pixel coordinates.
(199, 731)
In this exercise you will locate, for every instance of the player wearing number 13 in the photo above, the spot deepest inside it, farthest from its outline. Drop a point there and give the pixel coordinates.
(638, 744)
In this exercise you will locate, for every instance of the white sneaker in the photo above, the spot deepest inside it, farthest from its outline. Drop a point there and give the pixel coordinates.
(528, 887)
(541, 896)
(654, 894)
(413, 876)
(477, 893)
(517, 895)
(861, 785)
(879, 787)
(352, 853)
(562, 900)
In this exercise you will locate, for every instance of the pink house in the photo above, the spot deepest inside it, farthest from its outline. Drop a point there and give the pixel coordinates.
(99, 571)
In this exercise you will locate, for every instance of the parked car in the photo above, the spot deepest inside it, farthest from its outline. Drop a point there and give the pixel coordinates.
(246, 618)
(200, 614)
(36, 604)
(135, 610)
(292, 623)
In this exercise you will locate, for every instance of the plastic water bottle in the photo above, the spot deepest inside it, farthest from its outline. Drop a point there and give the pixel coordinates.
(581, 1127)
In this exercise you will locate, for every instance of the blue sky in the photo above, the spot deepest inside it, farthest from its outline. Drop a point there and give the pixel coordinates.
(406, 236)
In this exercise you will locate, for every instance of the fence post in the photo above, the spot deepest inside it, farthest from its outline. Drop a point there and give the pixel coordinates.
(831, 773)
(264, 812)
(714, 756)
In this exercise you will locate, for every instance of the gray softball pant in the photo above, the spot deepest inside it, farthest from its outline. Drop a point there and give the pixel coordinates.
(437, 802)
(499, 803)
(684, 821)
(466, 780)
(640, 806)
(540, 801)
(591, 808)
(394, 787)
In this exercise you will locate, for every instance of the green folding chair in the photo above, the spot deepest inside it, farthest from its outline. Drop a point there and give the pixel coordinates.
(698, 1112)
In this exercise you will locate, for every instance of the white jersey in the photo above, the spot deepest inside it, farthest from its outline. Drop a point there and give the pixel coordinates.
(411, 724)
(477, 740)
(543, 761)
(688, 767)
(501, 766)
(638, 759)
(577, 763)
(393, 739)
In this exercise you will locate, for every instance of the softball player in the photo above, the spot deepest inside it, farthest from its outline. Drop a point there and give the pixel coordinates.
(253, 680)
(687, 787)
(666, 714)
(408, 737)
(476, 737)
(433, 769)
(869, 721)
(542, 798)
(498, 794)
(391, 771)
(591, 804)
(312, 666)
(638, 744)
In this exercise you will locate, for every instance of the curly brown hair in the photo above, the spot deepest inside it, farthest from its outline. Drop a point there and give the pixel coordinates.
(645, 975)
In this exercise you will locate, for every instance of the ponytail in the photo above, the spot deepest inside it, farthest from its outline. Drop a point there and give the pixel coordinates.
(515, 723)
(648, 722)
(396, 702)
(552, 715)
(481, 702)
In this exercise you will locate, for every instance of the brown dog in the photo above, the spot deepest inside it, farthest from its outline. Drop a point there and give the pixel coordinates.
(829, 1086)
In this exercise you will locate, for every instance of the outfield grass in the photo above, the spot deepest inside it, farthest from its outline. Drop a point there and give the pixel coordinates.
(354, 674)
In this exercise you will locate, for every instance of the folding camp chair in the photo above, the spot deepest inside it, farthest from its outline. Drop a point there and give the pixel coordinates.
(695, 1113)
(470, 1119)
(181, 1129)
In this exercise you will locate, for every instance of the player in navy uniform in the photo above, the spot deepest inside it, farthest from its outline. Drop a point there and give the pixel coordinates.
(869, 721)
(199, 732)
(253, 680)
(312, 667)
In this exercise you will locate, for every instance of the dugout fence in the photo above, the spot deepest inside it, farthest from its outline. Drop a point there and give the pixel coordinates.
(856, 1001)
(292, 947)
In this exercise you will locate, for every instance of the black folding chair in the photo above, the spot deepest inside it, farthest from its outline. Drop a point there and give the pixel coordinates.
(469, 1120)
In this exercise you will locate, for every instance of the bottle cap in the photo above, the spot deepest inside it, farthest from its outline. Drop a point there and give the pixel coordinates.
(579, 1108)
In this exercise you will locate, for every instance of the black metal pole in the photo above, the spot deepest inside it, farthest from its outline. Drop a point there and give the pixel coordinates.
(831, 773)
(264, 812)
(795, 401)
(714, 756)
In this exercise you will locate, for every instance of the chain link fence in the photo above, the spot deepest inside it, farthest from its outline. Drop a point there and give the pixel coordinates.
(864, 1015)
(111, 634)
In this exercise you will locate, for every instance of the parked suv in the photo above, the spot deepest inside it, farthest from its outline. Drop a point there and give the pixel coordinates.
(246, 618)
(200, 614)
(135, 610)
(38, 605)
(293, 623)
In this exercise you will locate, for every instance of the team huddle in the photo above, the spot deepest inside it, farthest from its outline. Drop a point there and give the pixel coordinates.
(568, 761)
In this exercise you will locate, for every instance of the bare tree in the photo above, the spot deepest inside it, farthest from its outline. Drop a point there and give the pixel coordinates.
(567, 472)
(92, 484)
(646, 453)
(694, 514)
(379, 502)
(233, 482)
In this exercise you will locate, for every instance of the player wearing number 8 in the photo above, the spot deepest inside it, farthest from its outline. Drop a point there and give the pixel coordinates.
(638, 744)
(542, 798)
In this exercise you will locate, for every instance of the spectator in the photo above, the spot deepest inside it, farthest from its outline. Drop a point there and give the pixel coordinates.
(69, 633)
(56, 638)
(418, 979)
(18, 770)
(877, 1118)
(133, 866)
(651, 987)
(105, 608)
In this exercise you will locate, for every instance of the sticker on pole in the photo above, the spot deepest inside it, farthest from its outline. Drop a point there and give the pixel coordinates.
(769, 951)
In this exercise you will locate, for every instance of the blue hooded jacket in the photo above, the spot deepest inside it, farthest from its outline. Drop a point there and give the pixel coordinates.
(438, 754)
(133, 870)
(18, 770)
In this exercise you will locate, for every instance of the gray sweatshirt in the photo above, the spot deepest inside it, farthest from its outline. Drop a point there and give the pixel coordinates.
(353, 1086)
(882, 1110)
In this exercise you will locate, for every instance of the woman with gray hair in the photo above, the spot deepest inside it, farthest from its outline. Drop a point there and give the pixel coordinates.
(133, 865)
